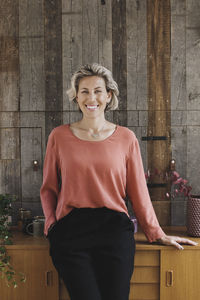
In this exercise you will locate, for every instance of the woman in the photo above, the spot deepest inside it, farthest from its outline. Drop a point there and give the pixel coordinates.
(89, 167)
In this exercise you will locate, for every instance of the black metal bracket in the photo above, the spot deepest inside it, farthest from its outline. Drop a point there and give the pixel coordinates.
(156, 185)
(103, 2)
(154, 138)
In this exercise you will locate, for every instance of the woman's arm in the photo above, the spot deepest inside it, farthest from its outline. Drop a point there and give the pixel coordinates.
(50, 187)
(141, 202)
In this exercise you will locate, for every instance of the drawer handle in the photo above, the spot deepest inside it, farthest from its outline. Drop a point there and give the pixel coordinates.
(49, 278)
(169, 278)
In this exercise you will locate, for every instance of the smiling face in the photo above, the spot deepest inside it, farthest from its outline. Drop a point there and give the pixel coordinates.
(92, 96)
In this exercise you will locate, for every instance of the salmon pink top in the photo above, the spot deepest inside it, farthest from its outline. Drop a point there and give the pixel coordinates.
(79, 173)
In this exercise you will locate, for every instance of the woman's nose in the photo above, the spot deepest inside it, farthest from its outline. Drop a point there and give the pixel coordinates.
(92, 96)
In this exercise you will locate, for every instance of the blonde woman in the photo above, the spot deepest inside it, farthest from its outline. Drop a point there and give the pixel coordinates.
(90, 166)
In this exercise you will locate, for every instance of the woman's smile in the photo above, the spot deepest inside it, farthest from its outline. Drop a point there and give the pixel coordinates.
(92, 107)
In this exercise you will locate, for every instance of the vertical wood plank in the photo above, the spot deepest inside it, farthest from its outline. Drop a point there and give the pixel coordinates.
(159, 104)
(10, 177)
(193, 54)
(136, 24)
(193, 92)
(90, 31)
(9, 143)
(71, 45)
(53, 64)
(119, 55)
(178, 57)
(31, 18)
(9, 56)
(105, 34)
(30, 150)
(32, 87)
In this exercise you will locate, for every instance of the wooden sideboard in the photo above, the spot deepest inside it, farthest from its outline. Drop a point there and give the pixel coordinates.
(161, 272)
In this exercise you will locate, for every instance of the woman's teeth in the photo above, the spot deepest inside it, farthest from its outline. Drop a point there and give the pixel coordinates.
(93, 107)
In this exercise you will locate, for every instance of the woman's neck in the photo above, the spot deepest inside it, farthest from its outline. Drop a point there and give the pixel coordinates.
(95, 124)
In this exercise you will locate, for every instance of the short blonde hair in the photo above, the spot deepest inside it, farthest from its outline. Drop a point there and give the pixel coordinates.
(95, 69)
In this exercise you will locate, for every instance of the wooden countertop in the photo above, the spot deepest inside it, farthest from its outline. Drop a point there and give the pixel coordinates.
(24, 241)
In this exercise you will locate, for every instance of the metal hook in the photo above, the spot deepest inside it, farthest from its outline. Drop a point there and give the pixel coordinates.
(35, 165)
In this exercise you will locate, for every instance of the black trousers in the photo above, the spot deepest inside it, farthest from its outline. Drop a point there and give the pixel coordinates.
(93, 251)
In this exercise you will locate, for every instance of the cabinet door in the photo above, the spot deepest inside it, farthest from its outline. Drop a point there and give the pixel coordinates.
(145, 282)
(180, 273)
(41, 276)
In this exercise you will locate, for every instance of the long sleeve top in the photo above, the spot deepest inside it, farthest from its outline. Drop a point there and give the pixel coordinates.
(79, 173)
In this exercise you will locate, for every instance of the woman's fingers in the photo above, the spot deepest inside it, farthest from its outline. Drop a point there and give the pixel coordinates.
(176, 241)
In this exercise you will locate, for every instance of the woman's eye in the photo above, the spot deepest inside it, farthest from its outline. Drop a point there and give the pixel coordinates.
(98, 91)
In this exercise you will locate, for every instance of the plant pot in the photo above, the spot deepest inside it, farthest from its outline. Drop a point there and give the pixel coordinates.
(193, 215)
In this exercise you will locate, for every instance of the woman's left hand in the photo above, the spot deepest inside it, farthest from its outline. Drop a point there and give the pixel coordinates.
(175, 241)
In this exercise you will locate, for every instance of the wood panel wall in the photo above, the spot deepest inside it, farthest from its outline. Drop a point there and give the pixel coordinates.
(152, 47)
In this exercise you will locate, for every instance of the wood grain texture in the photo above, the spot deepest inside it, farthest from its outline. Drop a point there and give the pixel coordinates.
(90, 30)
(119, 54)
(71, 45)
(9, 119)
(193, 54)
(9, 18)
(105, 34)
(30, 150)
(9, 60)
(10, 177)
(193, 157)
(31, 18)
(32, 84)
(136, 26)
(159, 104)
(53, 64)
(9, 143)
(178, 60)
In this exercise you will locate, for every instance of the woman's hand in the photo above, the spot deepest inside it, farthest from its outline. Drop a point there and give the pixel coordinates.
(175, 241)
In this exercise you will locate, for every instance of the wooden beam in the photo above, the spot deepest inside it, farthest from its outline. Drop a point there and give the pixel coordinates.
(159, 104)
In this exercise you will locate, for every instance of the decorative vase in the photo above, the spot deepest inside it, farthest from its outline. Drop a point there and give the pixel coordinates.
(193, 215)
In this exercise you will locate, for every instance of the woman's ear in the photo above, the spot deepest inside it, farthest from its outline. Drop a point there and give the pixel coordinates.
(109, 96)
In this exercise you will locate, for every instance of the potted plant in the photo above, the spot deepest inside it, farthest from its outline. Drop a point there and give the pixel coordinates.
(180, 187)
(7, 271)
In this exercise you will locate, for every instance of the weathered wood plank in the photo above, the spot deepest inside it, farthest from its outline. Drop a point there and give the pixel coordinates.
(52, 120)
(30, 150)
(163, 211)
(90, 29)
(53, 64)
(74, 116)
(34, 119)
(9, 61)
(71, 45)
(136, 54)
(179, 148)
(32, 85)
(178, 62)
(31, 18)
(9, 143)
(132, 118)
(9, 119)
(193, 158)
(159, 104)
(9, 18)
(119, 54)
(10, 177)
(193, 55)
(105, 34)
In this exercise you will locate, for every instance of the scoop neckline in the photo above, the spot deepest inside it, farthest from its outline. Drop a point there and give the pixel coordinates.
(77, 138)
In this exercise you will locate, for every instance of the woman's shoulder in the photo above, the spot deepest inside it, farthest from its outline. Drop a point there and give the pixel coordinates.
(126, 132)
(58, 130)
